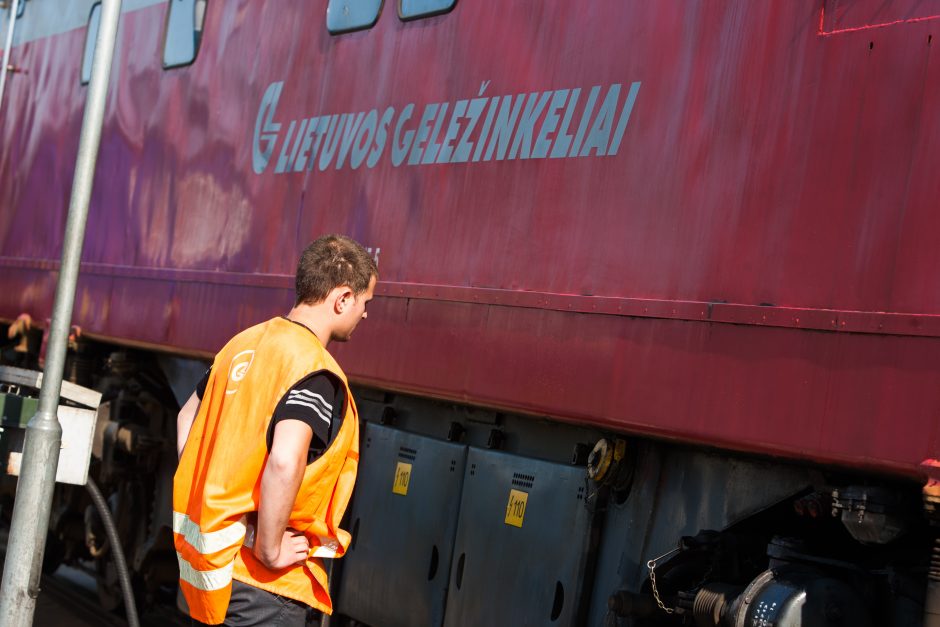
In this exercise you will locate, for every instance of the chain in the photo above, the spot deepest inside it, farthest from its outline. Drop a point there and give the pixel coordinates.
(652, 567)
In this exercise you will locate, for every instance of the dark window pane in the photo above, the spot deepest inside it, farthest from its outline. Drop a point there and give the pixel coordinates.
(184, 22)
(91, 37)
(410, 9)
(343, 16)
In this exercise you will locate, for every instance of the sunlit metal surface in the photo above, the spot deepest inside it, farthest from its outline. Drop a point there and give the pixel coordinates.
(776, 174)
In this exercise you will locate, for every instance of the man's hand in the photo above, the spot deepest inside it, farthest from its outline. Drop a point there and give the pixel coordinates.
(292, 550)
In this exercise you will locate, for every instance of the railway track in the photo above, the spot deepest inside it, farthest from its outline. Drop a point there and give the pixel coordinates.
(82, 605)
(58, 595)
(67, 598)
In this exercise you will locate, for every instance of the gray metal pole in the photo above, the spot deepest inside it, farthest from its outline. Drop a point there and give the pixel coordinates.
(27, 542)
(6, 51)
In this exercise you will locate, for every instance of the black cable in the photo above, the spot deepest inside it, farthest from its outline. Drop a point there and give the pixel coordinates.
(117, 550)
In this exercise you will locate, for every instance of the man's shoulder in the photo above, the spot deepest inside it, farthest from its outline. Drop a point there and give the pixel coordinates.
(286, 342)
(242, 338)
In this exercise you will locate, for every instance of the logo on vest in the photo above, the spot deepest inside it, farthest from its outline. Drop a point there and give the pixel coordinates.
(238, 369)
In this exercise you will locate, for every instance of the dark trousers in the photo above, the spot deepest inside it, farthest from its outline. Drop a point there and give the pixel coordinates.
(254, 607)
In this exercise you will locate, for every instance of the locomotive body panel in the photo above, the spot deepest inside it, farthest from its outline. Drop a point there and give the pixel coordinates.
(733, 246)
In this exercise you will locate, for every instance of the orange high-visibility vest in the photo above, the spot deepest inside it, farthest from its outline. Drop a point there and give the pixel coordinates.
(217, 484)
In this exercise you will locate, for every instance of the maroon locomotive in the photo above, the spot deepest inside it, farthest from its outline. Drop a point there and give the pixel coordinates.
(656, 337)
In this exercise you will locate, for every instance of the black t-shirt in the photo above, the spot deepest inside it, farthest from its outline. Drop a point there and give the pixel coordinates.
(316, 400)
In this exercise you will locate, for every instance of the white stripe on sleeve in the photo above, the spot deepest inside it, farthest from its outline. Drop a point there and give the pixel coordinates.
(307, 395)
(316, 409)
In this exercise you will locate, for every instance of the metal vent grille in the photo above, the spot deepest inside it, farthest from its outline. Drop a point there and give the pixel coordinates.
(407, 453)
(522, 481)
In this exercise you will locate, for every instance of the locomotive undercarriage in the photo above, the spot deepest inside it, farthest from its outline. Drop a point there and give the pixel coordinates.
(133, 460)
(653, 534)
(681, 535)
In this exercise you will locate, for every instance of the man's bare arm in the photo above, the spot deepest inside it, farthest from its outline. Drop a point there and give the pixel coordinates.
(276, 545)
(184, 422)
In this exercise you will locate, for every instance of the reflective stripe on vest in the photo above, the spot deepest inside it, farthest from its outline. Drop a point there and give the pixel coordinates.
(210, 542)
(205, 579)
(328, 548)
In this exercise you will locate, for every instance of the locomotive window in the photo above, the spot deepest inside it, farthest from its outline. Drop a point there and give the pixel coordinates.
(343, 16)
(91, 36)
(184, 22)
(412, 9)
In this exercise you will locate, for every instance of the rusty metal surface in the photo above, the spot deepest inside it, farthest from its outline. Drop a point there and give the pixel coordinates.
(774, 188)
(883, 323)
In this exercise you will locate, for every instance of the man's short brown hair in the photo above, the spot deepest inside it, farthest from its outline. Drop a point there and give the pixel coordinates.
(330, 262)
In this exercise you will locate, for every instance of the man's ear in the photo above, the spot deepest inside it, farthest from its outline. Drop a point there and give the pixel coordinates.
(344, 299)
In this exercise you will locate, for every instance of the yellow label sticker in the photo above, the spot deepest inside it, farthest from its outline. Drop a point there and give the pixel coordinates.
(515, 510)
(402, 478)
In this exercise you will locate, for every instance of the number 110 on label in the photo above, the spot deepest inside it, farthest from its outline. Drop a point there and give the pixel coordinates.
(515, 509)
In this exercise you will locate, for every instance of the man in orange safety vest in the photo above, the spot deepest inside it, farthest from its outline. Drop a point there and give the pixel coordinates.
(269, 449)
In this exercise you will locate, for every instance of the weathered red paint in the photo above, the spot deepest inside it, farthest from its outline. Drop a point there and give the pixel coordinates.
(755, 269)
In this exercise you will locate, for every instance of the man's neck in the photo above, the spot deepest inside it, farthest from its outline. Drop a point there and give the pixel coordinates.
(307, 315)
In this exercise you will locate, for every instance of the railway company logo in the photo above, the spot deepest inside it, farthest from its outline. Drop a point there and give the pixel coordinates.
(554, 124)
(238, 369)
(266, 128)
